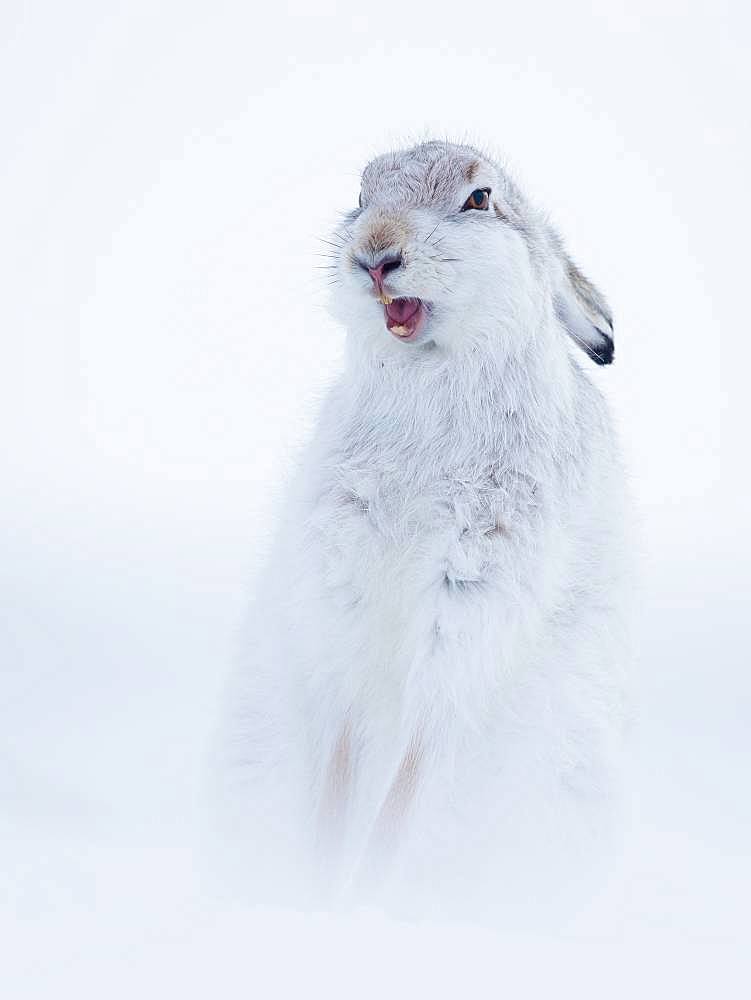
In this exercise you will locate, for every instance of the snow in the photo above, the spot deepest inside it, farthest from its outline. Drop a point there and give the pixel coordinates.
(166, 173)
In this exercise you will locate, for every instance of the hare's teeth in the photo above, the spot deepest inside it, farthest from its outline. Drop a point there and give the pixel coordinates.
(386, 299)
(401, 330)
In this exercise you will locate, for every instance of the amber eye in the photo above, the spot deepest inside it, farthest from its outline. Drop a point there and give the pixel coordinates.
(479, 199)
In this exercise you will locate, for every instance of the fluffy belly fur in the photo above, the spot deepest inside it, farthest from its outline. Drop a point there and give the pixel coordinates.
(433, 700)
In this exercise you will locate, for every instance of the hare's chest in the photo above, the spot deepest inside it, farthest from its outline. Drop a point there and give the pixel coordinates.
(388, 547)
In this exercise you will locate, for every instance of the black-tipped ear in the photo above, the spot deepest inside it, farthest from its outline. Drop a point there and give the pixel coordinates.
(584, 313)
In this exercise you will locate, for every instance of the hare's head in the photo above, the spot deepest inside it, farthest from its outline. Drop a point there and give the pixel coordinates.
(444, 251)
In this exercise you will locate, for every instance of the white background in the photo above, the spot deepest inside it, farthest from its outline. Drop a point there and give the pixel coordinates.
(166, 171)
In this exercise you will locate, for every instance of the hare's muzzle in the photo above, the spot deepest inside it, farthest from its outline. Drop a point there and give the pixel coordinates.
(404, 316)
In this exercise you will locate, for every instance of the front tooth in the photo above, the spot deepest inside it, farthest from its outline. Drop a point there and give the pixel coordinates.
(386, 299)
(399, 329)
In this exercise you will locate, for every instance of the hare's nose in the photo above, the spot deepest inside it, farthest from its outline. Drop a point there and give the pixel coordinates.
(379, 270)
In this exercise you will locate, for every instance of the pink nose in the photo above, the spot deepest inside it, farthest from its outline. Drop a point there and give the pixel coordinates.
(382, 268)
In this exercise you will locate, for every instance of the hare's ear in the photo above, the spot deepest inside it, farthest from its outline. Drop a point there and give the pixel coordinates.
(584, 313)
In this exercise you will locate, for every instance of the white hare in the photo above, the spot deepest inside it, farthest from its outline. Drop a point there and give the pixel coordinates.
(429, 708)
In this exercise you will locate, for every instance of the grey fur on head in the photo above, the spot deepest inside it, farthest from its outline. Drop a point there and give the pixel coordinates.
(410, 195)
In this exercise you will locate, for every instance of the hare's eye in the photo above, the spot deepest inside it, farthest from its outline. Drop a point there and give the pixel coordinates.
(479, 199)
(359, 200)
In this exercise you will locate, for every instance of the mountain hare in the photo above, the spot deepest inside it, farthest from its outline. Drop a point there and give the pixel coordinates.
(430, 705)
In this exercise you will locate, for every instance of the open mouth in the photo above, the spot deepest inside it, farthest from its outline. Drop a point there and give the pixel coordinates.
(404, 317)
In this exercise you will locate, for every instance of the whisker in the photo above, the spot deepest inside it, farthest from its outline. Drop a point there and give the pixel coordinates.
(341, 238)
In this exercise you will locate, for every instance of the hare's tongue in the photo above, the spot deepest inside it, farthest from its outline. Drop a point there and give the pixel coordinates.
(400, 311)
(404, 317)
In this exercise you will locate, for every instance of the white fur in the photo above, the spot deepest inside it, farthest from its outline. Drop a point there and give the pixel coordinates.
(443, 608)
